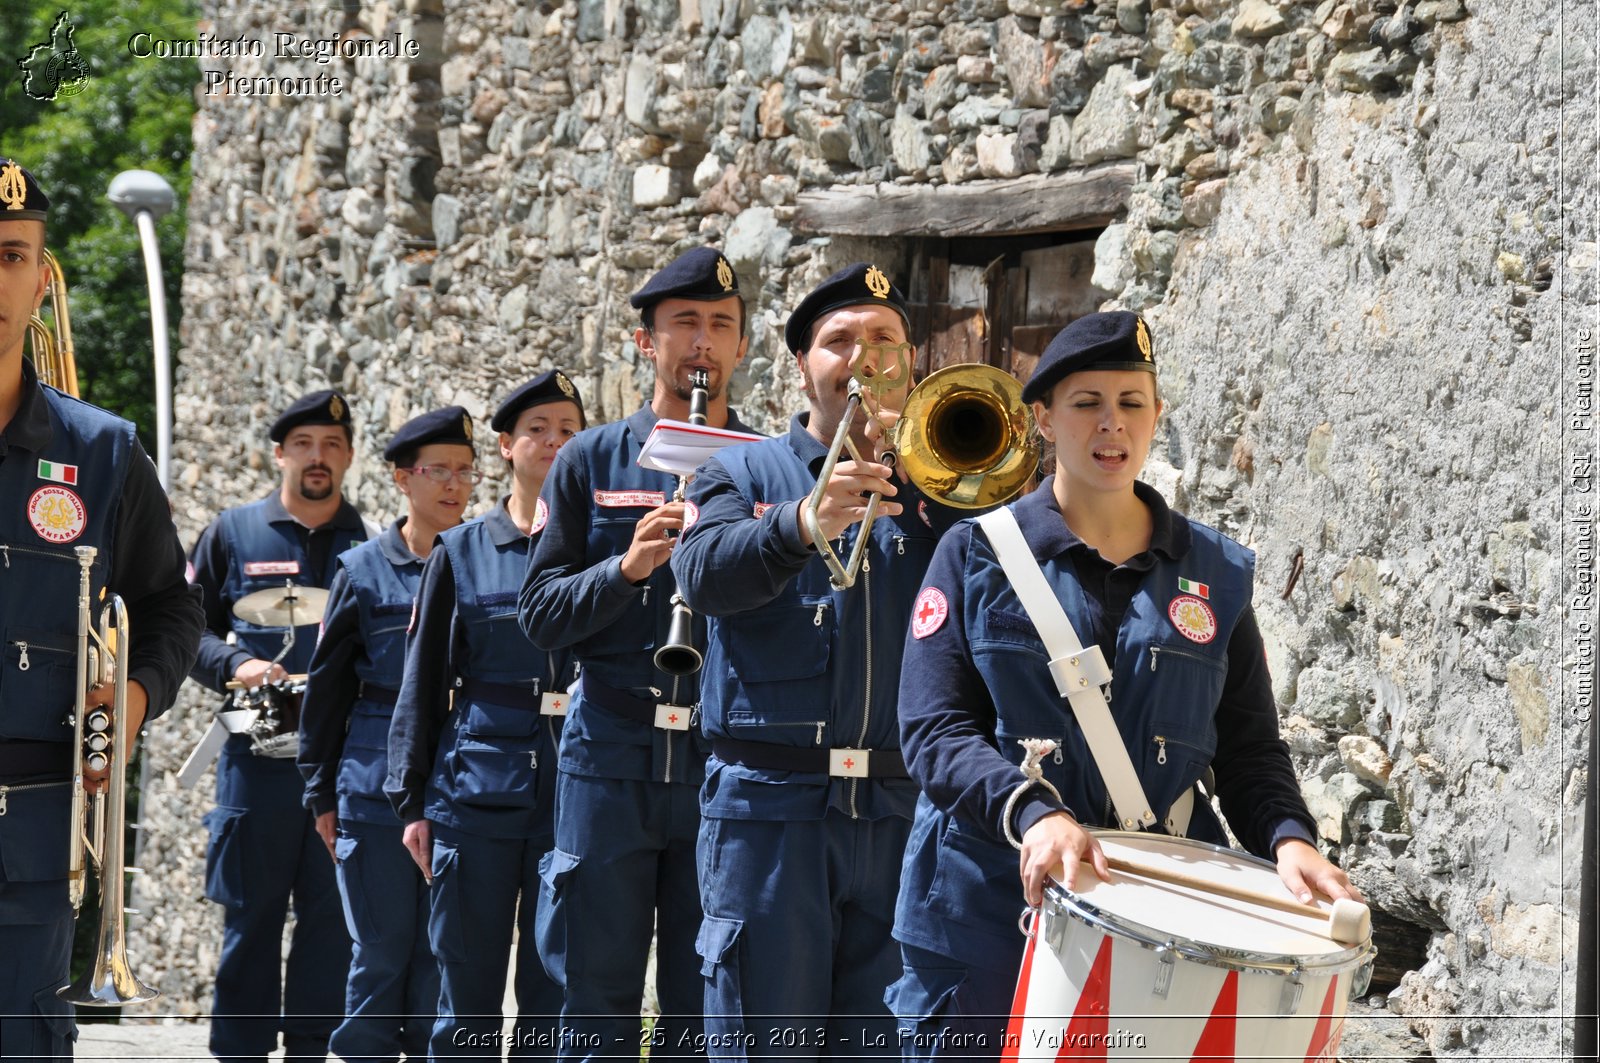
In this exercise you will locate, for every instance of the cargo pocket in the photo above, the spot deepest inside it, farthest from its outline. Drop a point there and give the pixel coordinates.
(923, 1001)
(445, 916)
(55, 1015)
(717, 943)
(556, 868)
(225, 853)
(351, 853)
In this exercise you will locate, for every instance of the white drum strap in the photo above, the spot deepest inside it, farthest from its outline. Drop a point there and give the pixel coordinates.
(1079, 672)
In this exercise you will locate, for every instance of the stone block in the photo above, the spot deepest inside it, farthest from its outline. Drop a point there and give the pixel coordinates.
(975, 69)
(756, 241)
(976, 111)
(447, 213)
(1027, 61)
(1258, 18)
(1107, 128)
(911, 141)
(639, 92)
(1366, 758)
(1057, 151)
(1132, 15)
(766, 43)
(940, 89)
(654, 186)
(1113, 266)
(1071, 80)
(997, 154)
(1202, 206)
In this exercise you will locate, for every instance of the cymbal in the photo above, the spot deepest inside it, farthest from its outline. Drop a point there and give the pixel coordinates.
(282, 606)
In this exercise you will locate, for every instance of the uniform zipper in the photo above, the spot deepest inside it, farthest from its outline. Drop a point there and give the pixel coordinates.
(22, 662)
(5, 790)
(866, 703)
(1161, 749)
(1157, 651)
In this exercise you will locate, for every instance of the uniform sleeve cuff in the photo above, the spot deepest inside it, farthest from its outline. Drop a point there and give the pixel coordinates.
(1035, 807)
(617, 581)
(1287, 829)
(790, 535)
(322, 804)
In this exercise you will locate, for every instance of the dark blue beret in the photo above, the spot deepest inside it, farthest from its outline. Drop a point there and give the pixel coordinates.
(550, 386)
(699, 273)
(319, 407)
(858, 285)
(1117, 339)
(451, 424)
(21, 198)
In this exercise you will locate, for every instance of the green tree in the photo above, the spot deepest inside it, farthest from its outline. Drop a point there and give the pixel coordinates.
(125, 113)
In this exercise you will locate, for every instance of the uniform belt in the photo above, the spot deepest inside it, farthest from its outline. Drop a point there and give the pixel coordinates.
(512, 695)
(379, 694)
(631, 706)
(845, 763)
(23, 759)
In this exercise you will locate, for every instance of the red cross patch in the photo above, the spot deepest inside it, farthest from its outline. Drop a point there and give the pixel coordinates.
(541, 517)
(928, 615)
(691, 513)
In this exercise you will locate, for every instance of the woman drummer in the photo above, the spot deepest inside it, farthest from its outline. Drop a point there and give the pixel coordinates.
(472, 750)
(1167, 601)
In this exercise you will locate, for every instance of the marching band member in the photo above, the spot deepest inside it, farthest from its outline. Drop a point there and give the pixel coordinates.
(264, 849)
(631, 758)
(392, 995)
(806, 803)
(473, 744)
(72, 475)
(1167, 601)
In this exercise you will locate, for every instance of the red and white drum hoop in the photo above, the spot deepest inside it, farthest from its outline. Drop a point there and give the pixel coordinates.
(1139, 969)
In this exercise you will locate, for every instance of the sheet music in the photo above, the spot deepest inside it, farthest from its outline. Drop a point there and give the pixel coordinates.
(679, 448)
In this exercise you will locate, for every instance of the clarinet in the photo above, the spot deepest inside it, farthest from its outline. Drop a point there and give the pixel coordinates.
(677, 656)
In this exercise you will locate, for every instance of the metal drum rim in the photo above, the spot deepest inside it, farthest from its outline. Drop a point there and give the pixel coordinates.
(1061, 902)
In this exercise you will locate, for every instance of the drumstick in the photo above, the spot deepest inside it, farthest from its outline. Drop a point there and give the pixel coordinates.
(1349, 922)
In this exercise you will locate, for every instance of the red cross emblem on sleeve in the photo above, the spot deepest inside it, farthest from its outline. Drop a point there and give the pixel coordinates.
(928, 614)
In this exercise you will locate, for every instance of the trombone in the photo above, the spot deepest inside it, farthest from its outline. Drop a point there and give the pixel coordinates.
(96, 826)
(965, 438)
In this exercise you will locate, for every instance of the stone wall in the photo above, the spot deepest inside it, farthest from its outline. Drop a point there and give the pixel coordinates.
(1349, 227)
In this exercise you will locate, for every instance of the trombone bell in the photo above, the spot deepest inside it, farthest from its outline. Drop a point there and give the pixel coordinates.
(966, 437)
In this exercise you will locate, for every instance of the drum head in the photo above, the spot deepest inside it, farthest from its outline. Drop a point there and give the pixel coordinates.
(1160, 911)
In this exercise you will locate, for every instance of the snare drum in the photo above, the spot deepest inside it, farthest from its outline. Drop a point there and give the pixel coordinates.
(1137, 968)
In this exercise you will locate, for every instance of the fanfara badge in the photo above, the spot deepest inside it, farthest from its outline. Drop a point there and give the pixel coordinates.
(565, 385)
(336, 408)
(1142, 336)
(877, 283)
(13, 188)
(466, 426)
(724, 274)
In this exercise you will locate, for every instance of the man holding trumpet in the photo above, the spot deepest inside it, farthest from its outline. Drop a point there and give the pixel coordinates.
(71, 476)
(806, 806)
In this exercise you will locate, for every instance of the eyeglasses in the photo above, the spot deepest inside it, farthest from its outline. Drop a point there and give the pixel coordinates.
(441, 474)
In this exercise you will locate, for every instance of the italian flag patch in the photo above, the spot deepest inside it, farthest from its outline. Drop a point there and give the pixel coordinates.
(56, 472)
(1189, 586)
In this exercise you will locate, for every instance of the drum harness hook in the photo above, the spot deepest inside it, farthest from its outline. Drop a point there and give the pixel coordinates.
(1033, 775)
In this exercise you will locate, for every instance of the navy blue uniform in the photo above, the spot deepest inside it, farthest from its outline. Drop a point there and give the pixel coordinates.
(483, 775)
(626, 833)
(392, 994)
(264, 847)
(1190, 689)
(98, 489)
(798, 866)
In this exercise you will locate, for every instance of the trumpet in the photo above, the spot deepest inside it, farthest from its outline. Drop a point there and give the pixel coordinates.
(96, 826)
(677, 656)
(965, 437)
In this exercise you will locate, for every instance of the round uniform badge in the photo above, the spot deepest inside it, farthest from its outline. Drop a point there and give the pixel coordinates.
(1193, 618)
(57, 514)
(541, 517)
(928, 615)
(691, 513)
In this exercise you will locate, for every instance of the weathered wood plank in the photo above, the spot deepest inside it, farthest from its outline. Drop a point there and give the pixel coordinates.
(1072, 199)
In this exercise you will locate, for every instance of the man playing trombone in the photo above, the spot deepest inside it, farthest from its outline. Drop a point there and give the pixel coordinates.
(806, 805)
(71, 476)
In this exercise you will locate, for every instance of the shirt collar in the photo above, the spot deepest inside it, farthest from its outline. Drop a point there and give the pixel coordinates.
(1048, 536)
(503, 531)
(30, 425)
(643, 421)
(393, 546)
(343, 517)
(809, 449)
